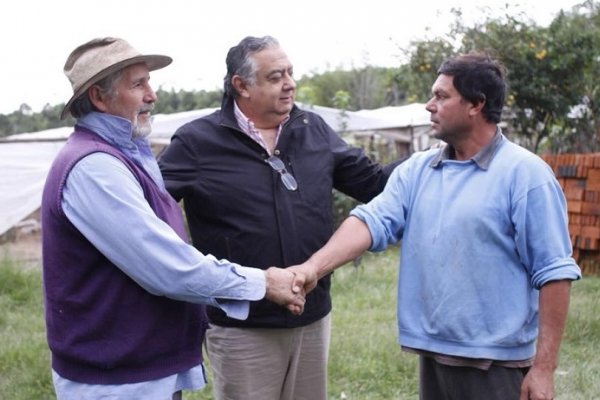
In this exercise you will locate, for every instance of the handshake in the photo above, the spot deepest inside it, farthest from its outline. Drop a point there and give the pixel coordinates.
(288, 286)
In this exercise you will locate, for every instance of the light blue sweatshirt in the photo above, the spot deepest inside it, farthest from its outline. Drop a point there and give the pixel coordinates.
(479, 238)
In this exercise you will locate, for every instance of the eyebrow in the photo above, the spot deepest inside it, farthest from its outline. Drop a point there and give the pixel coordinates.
(440, 92)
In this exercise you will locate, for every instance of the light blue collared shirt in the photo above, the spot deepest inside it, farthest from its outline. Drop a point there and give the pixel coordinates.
(146, 249)
(479, 238)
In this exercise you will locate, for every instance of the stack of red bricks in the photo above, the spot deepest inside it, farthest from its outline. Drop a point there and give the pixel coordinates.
(579, 176)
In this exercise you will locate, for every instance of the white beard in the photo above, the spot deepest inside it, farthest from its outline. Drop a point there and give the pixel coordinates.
(141, 131)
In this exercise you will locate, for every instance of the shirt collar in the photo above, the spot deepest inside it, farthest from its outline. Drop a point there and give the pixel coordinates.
(482, 158)
(247, 126)
(242, 120)
(118, 132)
(115, 130)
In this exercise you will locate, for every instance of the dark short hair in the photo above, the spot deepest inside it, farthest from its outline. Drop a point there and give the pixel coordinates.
(240, 63)
(478, 77)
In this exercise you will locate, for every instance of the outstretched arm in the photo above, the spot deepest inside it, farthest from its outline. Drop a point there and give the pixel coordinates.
(349, 241)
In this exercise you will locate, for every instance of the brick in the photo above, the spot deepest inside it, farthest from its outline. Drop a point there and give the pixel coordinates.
(592, 185)
(588, 208)
(594, 174)
(574, 193)
(575, 206)
(590, 232)
(589, 243)
(574, 229)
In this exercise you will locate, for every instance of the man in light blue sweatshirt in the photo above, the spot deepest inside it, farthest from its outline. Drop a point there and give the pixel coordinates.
(486, 265)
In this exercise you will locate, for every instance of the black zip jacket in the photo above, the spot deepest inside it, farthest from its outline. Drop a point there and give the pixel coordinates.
(237, 207)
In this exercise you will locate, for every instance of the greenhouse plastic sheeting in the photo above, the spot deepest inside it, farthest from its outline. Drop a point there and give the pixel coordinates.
(25, 160)
(23, 170)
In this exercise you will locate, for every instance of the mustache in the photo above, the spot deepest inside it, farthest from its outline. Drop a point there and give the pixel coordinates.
(148, 108)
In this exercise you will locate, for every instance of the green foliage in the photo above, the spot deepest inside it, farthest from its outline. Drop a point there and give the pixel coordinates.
(342, 205)
(549, 69)
(176, 101)
(307, 94)
(369, 87)
(25, 120)
(421, 71)
(381, 152)
(580, 33)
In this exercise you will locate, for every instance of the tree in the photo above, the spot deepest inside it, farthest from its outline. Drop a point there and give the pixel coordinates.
(5, 125)
(341, 101)
(548, 70)
(421, 71)
(580, 130)
(368, 87)
(307, 94)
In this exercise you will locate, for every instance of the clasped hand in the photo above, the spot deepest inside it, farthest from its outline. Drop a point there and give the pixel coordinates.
(288, 287)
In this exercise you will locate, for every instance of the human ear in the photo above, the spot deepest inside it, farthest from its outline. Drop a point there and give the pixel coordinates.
(240, 86)
(97, 97)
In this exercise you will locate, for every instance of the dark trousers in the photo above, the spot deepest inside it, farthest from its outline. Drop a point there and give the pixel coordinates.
(442, 382)
(177, 396)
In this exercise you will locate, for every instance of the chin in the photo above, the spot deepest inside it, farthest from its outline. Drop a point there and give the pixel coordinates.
(142, 131)
(439, 135)
(286, 108)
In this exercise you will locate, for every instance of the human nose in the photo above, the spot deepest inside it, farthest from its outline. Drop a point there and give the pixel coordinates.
(289, 83)
(429, 106)
(150, 95)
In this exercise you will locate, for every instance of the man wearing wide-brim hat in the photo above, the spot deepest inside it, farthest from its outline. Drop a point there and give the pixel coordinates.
(124, 292)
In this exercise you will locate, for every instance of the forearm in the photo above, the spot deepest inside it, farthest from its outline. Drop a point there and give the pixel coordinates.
(554, 305)
(349, 241)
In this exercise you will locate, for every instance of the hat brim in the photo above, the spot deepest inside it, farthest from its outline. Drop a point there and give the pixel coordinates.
(153, 62)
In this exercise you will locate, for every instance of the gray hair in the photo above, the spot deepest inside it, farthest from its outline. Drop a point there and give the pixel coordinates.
(83, 105)
(239, 61)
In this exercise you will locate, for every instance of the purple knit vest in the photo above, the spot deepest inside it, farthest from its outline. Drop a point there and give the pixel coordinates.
(102, 327)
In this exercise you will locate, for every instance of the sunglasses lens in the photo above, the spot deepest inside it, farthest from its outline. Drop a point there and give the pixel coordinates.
(276, 163)
(289, 181)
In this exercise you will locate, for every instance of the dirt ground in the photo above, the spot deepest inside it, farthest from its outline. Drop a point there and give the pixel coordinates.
(24, 250)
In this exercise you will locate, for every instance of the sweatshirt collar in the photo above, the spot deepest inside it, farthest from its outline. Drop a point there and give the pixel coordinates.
(482, 158)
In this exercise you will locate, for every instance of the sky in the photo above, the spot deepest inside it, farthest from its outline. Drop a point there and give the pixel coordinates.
(36, 36)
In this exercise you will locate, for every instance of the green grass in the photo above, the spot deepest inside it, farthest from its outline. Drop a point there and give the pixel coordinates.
(365, 361)
(578, 373)
(24, 356)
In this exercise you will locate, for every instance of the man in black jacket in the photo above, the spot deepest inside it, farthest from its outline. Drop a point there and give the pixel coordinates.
(256, 178)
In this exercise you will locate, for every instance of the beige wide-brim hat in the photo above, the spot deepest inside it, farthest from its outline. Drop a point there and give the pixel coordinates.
(98, 58)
